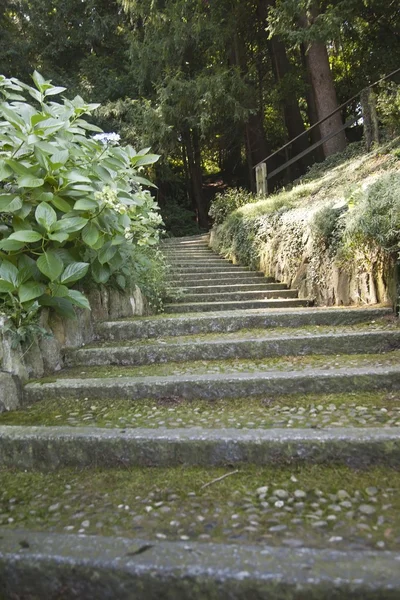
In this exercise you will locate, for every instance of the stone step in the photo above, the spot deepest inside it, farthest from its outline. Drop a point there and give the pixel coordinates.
(379, 409)
(219, 276)
(182, 252)
(242, 296)
(206, 262)
(195, 307)
(282, 345)
(185, 269)
(231, 287)
(58, 447)
(118, 567)
(236, 321)
(234, 384)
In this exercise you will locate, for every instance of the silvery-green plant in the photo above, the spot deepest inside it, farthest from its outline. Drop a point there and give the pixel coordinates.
(69, 203)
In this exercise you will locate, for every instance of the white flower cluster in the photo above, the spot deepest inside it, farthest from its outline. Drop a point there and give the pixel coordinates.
(110, 199)
(111, 139)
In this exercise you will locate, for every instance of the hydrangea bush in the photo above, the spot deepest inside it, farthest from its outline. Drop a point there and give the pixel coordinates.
(72, 203)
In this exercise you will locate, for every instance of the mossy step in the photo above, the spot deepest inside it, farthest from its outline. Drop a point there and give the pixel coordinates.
(201, 267)
(206, 262)
(379, 409)
(143, 354)
(226, 305)
(258, 505)
(217, 385)
(237, 366)
(39, 565)
(239, 296)
(236, 321)
(376, 325)
(242, 286)
(219, 276)
(54, 447)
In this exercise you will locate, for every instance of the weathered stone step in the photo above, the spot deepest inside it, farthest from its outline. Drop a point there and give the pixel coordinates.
(195, 288)
(206, 262)
(59, 447)
(380, 409)
(236, 321)
(242, 296)
(283, 345)
(225, 305)
(214, 386)
(196, 252)
(223, 265)
(117, 567)
(219, 276)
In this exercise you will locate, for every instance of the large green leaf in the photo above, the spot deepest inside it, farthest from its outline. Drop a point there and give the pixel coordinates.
(10, 203)
(6, 286)
(11, 245)
(61, 204)
(149, 159)
(30, 290)
(9, 272)
(106, 253)
(70, 224)
(101, 273)
(50, 265)
(58, 290)
(54, 90)
(45, 215)
(26, 236)
(85, 204)
(59, 236)
(29, 181)
(90, 234)
(78, 299)
(5, 170)
(63, 306)
(74, 272)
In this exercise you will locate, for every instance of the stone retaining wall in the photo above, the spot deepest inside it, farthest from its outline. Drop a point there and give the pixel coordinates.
(46, 355)
(290, 254)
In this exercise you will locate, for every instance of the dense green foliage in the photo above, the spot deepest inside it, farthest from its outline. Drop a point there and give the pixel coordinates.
(72, 204)
(212, 86)
(226, 202)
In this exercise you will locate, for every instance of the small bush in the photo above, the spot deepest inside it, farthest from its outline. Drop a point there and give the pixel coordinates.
(374, 218)
(388, 106)
(227, 202)
(327, 226)
(72, 204)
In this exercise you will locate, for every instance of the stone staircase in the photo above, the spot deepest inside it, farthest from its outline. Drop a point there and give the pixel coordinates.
(244, 445)
(209, 282)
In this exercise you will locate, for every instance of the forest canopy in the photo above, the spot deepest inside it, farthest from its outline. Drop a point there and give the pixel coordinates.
(212, 86)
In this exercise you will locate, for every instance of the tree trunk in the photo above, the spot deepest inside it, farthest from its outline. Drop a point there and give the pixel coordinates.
(196, 177)
(314, 134)
(325, 97)
(293, 119)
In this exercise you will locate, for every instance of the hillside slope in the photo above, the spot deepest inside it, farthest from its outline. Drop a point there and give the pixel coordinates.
(334, 234)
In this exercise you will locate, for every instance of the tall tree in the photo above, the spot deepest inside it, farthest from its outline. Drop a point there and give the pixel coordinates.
(305, 19)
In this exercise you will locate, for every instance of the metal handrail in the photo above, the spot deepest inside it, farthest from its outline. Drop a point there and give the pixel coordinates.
(325, 119)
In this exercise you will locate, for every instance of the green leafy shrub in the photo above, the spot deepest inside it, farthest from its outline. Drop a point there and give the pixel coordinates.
(71, 203)
(388, 106)
(327, 226)
(374, 216)
(227, 202)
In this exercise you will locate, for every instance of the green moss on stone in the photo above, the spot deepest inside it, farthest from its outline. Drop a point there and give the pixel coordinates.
(173, 504)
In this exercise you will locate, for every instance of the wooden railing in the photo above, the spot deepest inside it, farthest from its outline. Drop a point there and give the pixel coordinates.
(262, 173)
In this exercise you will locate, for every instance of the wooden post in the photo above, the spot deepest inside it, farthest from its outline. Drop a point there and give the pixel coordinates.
(261, 179)
(370, 117)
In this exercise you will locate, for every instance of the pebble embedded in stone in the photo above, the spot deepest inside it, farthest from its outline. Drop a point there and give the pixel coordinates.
(367, 509)
(281, 494)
